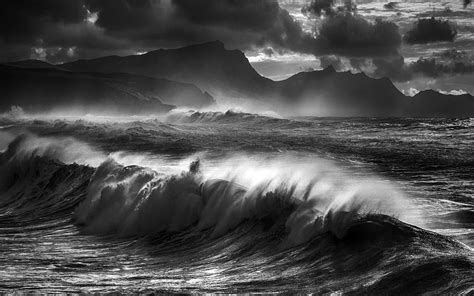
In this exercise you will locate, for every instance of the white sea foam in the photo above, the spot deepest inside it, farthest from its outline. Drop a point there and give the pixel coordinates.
(320, 197)
(311, 195)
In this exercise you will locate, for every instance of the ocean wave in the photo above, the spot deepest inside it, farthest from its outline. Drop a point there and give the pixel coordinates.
(35, 188)
(229, 116)
(303, 226)
(132, 200)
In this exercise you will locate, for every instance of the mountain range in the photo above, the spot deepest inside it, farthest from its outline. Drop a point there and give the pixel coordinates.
(198, 75)
(41, 87)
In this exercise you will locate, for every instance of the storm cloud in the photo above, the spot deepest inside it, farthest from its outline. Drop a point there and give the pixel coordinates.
(435, 67)
(56, 30)
(319, 7)
(352, 35)
(449, 62)
(59, 31)
(431, 30)
(182, 22)
(344, 32)
(91, 27)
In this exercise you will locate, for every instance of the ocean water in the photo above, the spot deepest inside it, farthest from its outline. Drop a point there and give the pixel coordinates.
(233, 202)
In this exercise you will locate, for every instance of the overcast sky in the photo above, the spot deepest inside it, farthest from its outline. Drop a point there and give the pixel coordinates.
(280, 38)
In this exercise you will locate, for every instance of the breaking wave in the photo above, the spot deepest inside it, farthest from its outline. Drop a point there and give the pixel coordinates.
(229, 116)
(283, 205)
(135, 200)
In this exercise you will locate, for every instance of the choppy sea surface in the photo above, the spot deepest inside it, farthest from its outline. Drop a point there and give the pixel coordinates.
(232, 202)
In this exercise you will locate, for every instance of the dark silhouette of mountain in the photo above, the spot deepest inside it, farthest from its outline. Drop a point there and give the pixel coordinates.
(440, 105)
(34, 64)
(222, 72)
(347, 94)
(46, 89)
(228, 72)
(209, 66)
(343, 93)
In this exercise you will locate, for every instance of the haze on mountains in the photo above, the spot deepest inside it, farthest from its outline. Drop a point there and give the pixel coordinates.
(161, 80)
(101, 55)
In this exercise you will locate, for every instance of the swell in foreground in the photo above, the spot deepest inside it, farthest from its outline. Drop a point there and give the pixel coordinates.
(87, 220)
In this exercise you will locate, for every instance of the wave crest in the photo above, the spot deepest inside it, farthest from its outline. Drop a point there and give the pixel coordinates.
(303, 196)
(229, 116)
(305, 200)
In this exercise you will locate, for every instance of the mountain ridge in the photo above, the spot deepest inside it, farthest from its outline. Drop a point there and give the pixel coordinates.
(207, 65)
(46, 89)
(228, 73)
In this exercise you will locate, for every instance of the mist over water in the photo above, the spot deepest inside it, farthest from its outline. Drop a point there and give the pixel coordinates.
(212, 201)
(237, 147)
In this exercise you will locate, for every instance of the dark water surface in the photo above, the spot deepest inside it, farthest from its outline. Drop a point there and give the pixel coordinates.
(232, 202)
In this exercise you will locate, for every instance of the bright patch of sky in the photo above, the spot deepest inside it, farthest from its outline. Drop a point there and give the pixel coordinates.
(279, 66)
